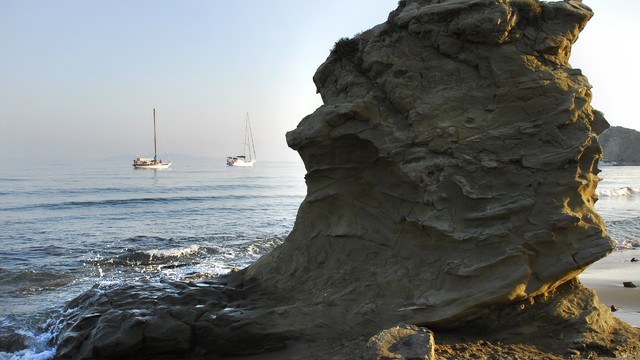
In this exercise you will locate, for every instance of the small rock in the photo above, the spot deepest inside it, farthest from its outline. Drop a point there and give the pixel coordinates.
(574, 352)
(614, 308)
(634, 260)
(401, 342)
(629, 284)
(11, 341)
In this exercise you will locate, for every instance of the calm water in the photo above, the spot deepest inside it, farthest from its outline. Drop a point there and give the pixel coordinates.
(65, 226)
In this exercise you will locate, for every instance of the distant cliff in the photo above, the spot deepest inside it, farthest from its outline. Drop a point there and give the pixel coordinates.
(621, 145)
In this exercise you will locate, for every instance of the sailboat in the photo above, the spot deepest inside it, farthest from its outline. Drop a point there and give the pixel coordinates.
(151, 163)
(248, 157)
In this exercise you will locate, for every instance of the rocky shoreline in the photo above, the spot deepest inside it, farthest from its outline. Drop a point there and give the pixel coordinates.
(451, 177)
(516, 332)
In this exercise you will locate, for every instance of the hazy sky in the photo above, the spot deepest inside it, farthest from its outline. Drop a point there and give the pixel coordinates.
(79, 79)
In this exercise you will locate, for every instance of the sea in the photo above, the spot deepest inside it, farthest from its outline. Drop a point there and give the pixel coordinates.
(66, 226)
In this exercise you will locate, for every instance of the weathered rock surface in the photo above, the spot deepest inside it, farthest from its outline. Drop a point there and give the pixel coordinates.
(621, 145)
(401, 342)
(451, 178)
(454, 161)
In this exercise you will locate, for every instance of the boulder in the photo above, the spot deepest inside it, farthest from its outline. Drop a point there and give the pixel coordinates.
(403, 341)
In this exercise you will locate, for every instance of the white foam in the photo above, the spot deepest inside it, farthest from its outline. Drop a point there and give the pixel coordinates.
(180, 252)
(38, 348)
(28, 354)
(623, 191)
(629, 244)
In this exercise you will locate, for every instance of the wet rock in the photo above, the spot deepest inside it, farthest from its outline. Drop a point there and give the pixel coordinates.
(11, 341)
(164, 334)
(628, 284)
(132, 320)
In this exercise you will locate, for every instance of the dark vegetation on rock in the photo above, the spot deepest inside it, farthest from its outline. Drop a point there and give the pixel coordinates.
(345, 48)
(528, 9)
(451, 177)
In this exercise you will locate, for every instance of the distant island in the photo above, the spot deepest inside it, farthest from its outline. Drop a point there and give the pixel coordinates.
(621, 146)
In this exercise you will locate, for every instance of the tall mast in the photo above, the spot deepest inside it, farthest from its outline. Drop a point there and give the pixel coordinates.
(253, 147)
(248, 140)
(246, 149)
(155, 144)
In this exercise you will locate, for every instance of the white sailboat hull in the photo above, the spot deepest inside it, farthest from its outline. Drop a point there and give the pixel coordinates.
(153, 166)
(240, 162)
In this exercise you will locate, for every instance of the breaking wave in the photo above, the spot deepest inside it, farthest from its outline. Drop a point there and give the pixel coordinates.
(158, 257)
(618, 192)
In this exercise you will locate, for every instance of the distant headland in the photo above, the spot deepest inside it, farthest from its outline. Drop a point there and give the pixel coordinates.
(621, 146)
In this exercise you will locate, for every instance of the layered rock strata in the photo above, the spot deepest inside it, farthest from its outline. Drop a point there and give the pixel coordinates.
(451, 177)
(452, 166)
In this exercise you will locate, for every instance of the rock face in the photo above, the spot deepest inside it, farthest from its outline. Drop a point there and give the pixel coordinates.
(451, 175)
(453, 164)
(621, 145)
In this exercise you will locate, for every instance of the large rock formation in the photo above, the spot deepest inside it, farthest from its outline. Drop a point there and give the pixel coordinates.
(621, 145)
(454, 161)
(451, 175)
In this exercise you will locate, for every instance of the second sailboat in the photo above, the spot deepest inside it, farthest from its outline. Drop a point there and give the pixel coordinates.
(248, 157)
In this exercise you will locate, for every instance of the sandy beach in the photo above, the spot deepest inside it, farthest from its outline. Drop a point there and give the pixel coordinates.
(606, 277)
